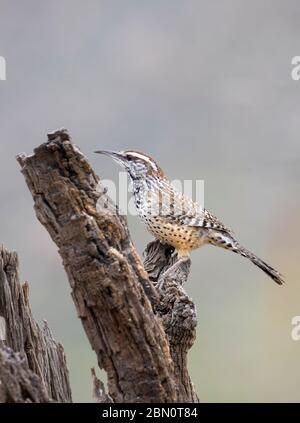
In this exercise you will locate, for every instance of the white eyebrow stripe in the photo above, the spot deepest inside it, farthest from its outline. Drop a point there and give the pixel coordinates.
(141, 156)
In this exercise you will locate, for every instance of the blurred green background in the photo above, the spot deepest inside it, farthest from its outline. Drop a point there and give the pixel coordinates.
(206, 88)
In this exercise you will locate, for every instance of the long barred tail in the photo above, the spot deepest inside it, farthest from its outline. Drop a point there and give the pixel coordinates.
(225, 240)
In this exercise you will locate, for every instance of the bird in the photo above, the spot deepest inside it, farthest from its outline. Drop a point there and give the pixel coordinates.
(174, 218)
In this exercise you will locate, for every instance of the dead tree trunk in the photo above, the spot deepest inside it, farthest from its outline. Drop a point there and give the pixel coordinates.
(141, 335)
(32, 364)
(176, 309)
(18, 383)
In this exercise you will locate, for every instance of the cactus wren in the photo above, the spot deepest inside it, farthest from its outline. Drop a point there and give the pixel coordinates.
(174, 218)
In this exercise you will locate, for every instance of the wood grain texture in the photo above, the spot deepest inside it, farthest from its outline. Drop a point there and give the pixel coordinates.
(120, 308)
(38, 358)
(19, 384)
(176, 309)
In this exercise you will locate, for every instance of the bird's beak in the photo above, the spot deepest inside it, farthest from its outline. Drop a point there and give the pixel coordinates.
(116, 155)
(108, 153)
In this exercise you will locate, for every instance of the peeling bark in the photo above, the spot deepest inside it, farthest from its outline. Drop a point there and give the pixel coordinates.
(99, 393)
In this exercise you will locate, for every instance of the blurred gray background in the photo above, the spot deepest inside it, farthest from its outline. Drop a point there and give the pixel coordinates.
(206, 88)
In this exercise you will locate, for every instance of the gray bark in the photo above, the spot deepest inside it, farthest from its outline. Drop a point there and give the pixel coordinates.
(38, 359)
(18, 383)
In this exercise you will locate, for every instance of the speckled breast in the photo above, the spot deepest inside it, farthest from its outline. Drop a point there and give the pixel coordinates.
(181, 237)
(156, 214)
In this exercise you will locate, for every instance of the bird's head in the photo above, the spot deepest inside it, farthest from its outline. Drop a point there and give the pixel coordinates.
(137, 164)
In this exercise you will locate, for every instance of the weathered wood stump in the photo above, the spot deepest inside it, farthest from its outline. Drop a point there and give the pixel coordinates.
(32, 364)
(140, 323)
